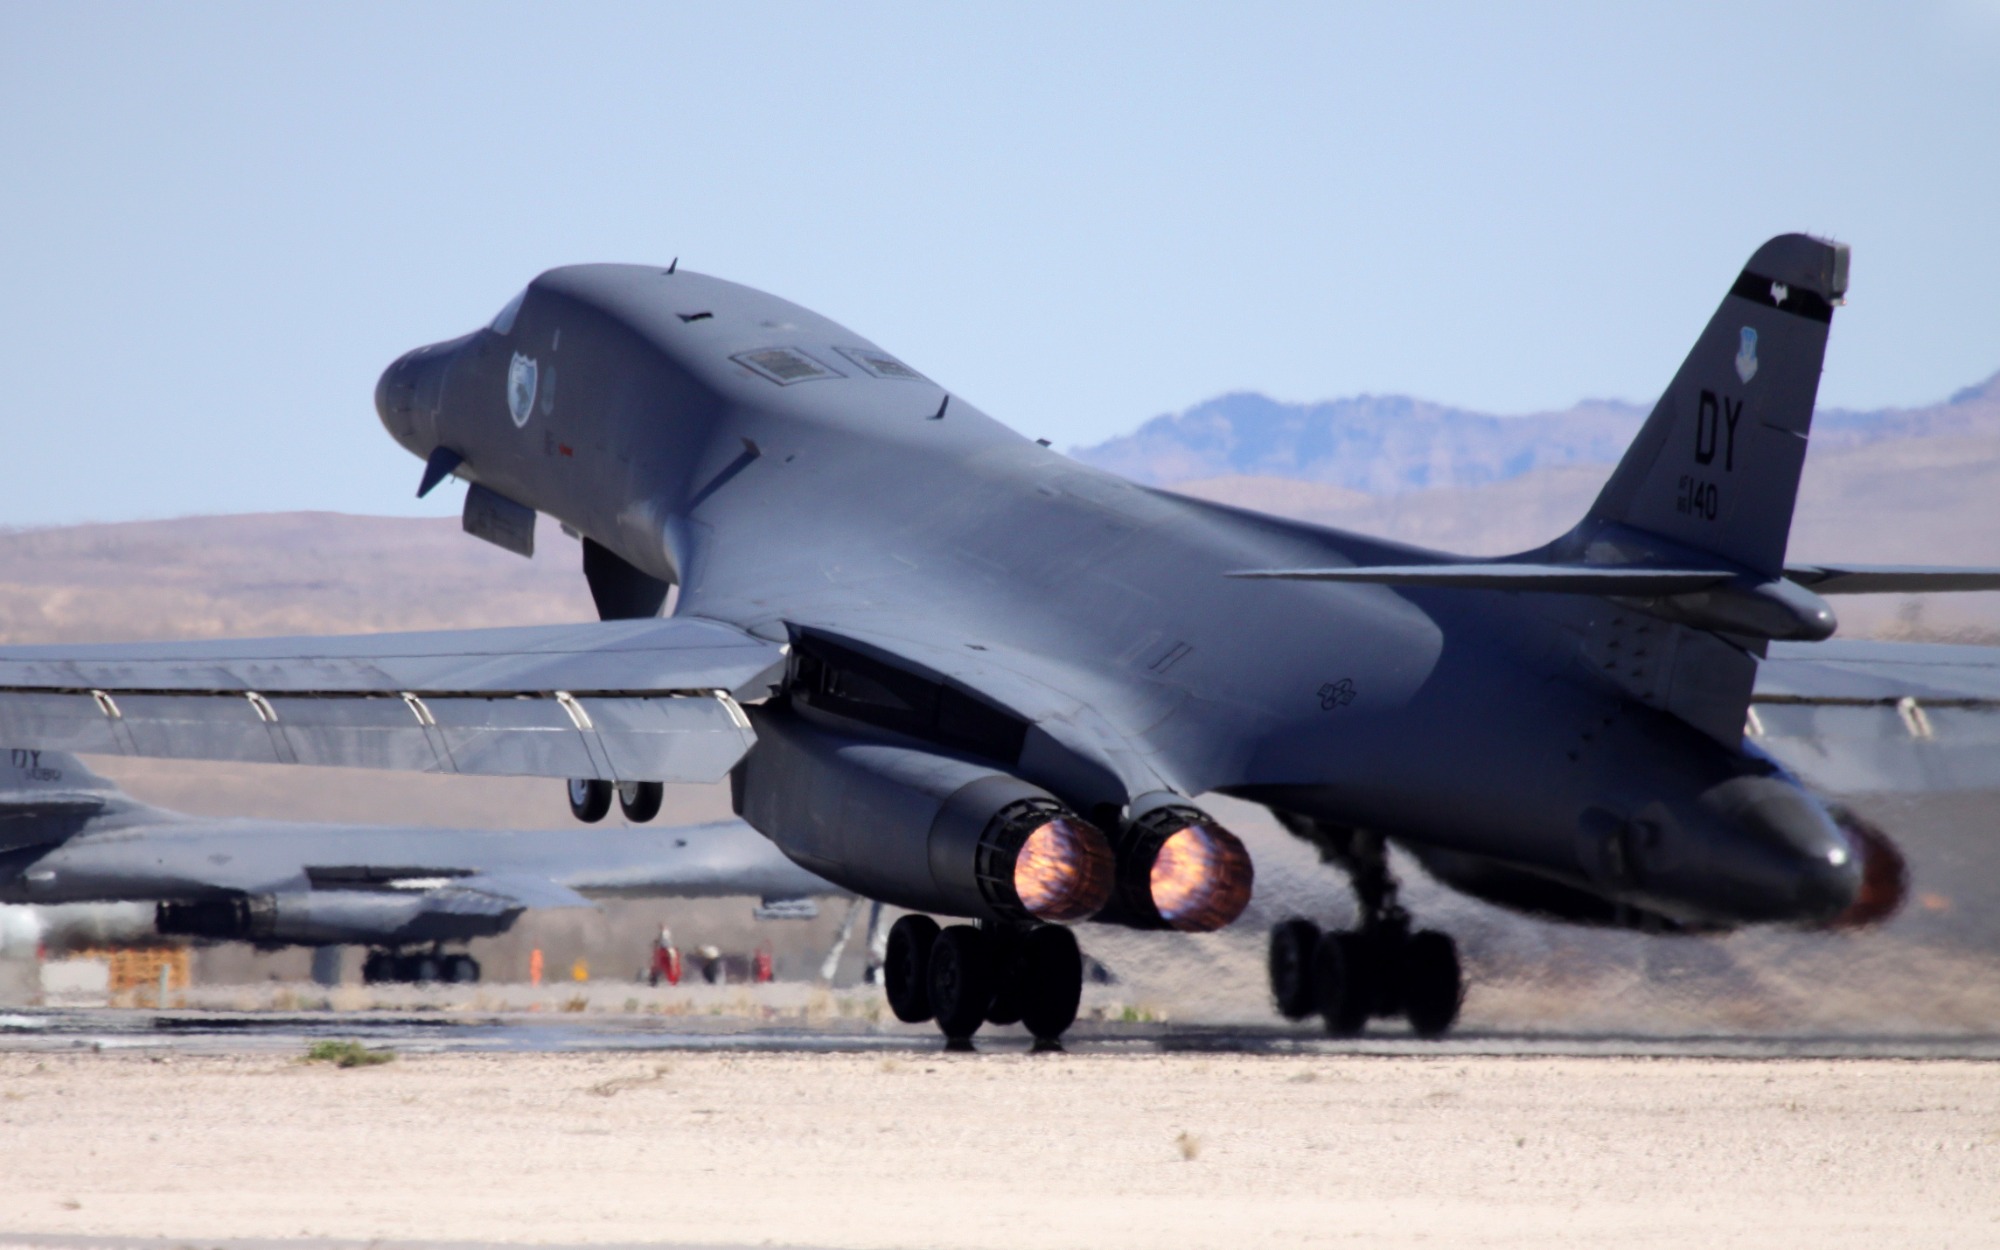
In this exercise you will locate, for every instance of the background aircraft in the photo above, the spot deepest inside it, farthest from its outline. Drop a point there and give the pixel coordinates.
(946, 668)
(68, 835)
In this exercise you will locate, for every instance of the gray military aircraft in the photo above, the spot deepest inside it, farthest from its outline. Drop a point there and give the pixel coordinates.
(948, 668)
(67, 835)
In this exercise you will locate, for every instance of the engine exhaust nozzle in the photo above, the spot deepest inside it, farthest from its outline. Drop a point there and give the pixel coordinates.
(1063, 870)
(1178, 869)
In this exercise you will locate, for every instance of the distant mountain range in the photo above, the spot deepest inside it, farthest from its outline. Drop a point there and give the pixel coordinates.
(1387, 444)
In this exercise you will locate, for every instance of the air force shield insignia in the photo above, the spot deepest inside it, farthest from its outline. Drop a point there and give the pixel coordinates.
(521, 372)
(1746, 358)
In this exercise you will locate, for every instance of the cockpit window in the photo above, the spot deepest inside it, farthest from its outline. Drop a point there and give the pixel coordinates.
(504, 322)
(882, 364)
(784, 365)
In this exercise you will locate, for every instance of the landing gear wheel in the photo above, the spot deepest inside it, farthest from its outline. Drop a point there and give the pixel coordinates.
(1291, 960)
(1433, 986)
(380, 966)
(1008, 950)
(461, 969)
(420, 969)
(589, 799)
(1052, 984)
(640, 800)
(961, 981)
(1343, 982)
(906, 968)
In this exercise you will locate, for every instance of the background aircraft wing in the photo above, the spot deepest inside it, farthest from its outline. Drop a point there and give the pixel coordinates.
(1881, 717)
(651, 700)
(504, 892)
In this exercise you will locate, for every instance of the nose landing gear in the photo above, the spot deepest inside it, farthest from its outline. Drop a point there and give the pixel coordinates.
(967, 975)
(1379, 969)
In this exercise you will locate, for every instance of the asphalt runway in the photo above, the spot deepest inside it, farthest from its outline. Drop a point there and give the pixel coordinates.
(266, 1033)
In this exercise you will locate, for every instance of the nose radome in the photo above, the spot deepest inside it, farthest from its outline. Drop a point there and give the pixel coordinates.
(396, 399)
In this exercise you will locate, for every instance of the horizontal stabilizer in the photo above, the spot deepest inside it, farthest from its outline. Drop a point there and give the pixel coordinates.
(1886, 579)
(1555, 578)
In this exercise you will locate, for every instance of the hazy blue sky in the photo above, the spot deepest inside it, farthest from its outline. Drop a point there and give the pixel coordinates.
(220, 222)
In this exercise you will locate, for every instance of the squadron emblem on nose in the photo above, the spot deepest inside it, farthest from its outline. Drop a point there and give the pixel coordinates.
(521, 377)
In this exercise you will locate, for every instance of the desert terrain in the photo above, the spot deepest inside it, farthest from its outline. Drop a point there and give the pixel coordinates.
(930, 1150)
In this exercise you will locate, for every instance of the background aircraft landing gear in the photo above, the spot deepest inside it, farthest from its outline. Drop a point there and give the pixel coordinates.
(967, 975)
(1377, 970)
(589, 799)
(418, 968)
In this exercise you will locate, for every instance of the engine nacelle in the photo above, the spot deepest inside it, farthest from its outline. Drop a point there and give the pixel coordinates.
(919, 829)
(330, 917)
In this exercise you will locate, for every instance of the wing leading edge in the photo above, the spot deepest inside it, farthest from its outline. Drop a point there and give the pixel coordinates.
(622, 700)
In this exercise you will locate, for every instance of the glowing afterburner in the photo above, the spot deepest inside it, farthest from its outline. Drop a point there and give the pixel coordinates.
(1201, 878)
(1063, 871)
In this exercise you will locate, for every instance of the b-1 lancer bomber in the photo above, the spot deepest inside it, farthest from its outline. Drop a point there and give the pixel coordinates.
(68, 835)
(948, 668)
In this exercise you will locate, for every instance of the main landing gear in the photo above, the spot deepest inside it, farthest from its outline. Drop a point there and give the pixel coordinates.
(418, 968)
(590, 799)
(1378, 970)
(967, 975)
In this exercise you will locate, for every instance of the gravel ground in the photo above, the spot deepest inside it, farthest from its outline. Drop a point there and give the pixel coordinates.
(941, 1150)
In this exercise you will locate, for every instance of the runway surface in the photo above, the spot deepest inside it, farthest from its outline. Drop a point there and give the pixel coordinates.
(265, 1033)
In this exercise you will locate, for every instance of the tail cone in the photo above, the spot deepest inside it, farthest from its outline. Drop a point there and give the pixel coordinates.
(1885, 875)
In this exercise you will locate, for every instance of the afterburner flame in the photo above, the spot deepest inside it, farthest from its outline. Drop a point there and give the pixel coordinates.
(1201, 878)
(1063, 871)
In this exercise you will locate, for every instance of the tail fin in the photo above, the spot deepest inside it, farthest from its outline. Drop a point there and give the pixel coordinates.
(29, 776)
(1716, 466)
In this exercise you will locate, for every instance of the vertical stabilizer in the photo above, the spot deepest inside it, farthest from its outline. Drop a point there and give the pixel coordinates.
(1716, 466)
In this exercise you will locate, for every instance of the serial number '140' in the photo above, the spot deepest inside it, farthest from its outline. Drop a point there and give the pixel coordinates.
(1697, 497)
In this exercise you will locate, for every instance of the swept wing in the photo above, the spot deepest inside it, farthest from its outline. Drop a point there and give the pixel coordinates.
(652, 700)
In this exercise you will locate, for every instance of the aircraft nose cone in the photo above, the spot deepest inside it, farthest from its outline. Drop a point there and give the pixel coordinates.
(409, 393)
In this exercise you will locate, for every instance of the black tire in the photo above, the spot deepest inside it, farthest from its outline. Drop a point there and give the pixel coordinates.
(906, 968)
(461, 969)
(1008, 951)
(961, 980)
(380, 966)
(589, 799)
(640, 800)
(1052, 984)
(1343, 986)
(425, 969)
(1433, 983)
(1290, 963)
